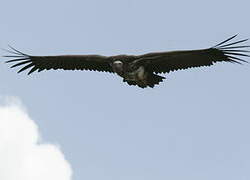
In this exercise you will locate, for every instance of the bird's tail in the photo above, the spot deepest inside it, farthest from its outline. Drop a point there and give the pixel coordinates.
(154, 79)
(151, 81)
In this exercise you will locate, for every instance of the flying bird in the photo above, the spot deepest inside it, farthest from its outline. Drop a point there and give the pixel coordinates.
(140, 70)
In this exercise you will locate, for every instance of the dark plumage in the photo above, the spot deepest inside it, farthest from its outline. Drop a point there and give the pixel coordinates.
(138, 70)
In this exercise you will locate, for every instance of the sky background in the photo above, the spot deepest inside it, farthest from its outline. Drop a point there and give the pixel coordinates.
(194, 125)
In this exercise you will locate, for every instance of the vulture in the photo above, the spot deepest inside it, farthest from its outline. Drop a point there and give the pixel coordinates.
(138, 70)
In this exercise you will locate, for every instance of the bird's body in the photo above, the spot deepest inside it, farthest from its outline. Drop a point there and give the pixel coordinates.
(138, 70)
(132, 72)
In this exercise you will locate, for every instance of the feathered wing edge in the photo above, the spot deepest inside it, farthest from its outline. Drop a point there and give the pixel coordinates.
(232, 50)
(81, 62)
(20, 56)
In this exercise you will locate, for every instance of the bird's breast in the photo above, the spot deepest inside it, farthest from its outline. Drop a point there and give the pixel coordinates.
(138, 74)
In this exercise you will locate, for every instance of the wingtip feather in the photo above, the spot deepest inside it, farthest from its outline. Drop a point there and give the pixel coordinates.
(232, 52)
(232, 37)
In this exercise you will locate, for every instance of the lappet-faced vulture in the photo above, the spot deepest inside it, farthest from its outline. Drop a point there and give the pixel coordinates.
(140, 70)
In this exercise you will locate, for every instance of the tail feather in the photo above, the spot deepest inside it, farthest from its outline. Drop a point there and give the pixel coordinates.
(151, 81)
(154, 79)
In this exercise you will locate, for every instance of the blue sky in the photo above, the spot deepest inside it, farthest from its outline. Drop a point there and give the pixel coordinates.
(193, 126)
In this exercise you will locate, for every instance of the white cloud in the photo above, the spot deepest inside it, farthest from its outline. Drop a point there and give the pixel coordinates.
(21, 156)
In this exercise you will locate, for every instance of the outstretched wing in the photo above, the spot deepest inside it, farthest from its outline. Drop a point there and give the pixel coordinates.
(66, 62)
(176, 60)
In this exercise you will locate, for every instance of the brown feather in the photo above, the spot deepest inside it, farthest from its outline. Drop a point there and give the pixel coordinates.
(163, 62)
(66, 62)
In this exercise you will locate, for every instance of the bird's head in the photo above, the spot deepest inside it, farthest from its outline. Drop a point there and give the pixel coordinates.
(117, 66)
